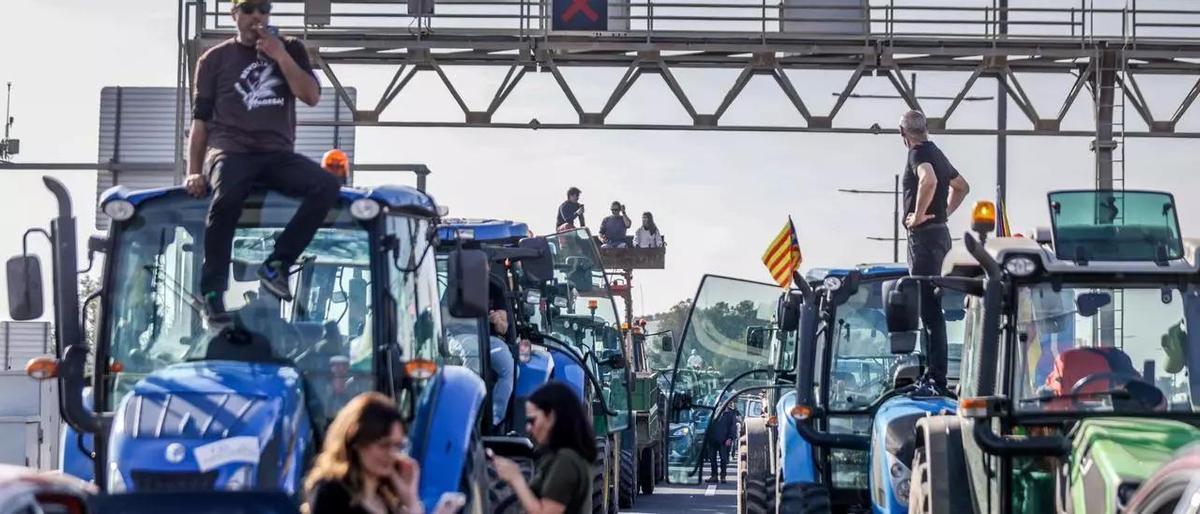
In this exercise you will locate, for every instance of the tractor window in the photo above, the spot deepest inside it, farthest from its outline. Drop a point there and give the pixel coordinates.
(1100, 348)
(714, 350)
(156, 316)
(862, 358)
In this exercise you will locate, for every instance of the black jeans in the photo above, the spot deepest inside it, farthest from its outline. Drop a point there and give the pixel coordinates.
(232, 176)
(927, 248)
(715, 450)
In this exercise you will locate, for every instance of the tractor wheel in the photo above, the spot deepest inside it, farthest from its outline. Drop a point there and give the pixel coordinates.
(759, 495)
(919, 490)
(628, 480)
(804, 499)
(600, 477)
(500, 494)
(647, 471)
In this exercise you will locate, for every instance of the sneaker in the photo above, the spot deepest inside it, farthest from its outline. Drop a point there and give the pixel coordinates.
(214, 311)
(711, 481)
(274, 278)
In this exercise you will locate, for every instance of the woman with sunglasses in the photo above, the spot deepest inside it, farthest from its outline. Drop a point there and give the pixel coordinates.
(562, 481)
(363, 467)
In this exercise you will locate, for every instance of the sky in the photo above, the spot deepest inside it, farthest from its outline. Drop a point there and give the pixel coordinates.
(719, 197)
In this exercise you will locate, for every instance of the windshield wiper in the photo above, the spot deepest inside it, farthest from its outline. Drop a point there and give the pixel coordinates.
(1121, 393)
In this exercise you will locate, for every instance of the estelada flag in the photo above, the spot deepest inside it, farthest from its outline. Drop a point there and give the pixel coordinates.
(783, 255)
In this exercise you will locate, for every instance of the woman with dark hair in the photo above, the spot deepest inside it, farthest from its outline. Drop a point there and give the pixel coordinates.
(647, 235)
(363, 467)
(562, 481)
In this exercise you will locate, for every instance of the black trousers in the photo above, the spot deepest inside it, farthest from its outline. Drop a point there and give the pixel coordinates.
(718, 450)
(232, 176)
(927, 248)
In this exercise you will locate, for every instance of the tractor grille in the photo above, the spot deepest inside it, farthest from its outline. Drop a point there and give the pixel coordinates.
(155, 481)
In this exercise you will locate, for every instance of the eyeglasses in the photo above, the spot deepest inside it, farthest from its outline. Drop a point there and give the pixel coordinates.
(250, 7)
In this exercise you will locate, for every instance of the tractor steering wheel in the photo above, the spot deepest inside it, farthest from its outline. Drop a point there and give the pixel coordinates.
(1120, 381)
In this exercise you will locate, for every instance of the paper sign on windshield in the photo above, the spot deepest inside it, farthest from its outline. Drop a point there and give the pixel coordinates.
(234, 449)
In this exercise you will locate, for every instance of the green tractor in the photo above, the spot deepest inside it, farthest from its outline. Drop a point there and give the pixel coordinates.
(649, 405)
(1077, 376)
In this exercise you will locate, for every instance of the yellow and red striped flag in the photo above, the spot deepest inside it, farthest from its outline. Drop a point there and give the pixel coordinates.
(783, 256)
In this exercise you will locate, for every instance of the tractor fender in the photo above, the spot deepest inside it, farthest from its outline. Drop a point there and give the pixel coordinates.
(941, 437)
(795, 454)
(446, 416)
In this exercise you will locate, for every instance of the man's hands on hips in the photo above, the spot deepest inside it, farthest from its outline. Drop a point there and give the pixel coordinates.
(196, 185)
(269, 44)
(913, 220)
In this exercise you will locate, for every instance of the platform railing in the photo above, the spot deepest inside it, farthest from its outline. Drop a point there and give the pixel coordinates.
(972, 20)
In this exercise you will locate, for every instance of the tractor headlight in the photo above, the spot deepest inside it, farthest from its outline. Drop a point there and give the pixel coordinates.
(239, 480)
(832, 283)
(116, 482)
(901, 476)
(364, 209)
(1020, 266)
(119, 210)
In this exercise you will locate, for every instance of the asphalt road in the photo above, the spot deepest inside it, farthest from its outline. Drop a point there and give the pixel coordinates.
(677, 498)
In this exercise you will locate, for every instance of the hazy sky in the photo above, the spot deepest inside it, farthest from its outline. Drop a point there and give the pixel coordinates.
(718, 197)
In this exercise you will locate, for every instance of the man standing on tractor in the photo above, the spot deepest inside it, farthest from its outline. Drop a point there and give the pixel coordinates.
(569, 211)
(933, 190)
(614, 230)
(243, 134)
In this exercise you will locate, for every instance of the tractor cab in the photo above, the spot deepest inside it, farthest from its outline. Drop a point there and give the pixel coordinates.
(163, 402)
(1078, 347)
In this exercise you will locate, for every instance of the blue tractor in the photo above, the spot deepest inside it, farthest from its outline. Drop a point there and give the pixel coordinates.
(561, 325)
(764, 353)
(848, 429)
(163, 403)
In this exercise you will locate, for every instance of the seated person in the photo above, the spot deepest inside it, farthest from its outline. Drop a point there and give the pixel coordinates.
(502, 363)
(647, 235)
(613, 230)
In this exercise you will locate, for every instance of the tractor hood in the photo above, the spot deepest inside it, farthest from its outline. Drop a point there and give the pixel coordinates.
(205, 420)
(1112, 456)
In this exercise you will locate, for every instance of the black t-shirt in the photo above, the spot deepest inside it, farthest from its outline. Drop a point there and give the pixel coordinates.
(928, 152)
(567, 212)
(330, 497)
(252, 107)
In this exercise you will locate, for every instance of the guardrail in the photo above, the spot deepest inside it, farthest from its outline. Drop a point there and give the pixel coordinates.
(979, 20)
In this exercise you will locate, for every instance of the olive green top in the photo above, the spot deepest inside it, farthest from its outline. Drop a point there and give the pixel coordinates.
(563, 476)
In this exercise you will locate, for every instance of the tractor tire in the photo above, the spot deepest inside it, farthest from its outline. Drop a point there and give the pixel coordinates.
(759, 495)
(646, 470)
(600, 477)
(804, 499)
(920, 490)
(500, 495)
(628, 490)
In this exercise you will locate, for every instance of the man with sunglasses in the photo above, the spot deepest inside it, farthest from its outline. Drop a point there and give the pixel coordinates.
(933, 190)
(242, 136)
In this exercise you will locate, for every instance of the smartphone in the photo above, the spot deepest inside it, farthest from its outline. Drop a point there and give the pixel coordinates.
(451, 502)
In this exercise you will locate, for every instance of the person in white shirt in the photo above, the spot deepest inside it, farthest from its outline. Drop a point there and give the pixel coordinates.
(647, 235)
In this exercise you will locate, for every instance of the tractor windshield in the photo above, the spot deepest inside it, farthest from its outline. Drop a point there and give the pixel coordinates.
(156, 318)
(716, 348)
(863, 364)
(587, 315)
(1106, 348)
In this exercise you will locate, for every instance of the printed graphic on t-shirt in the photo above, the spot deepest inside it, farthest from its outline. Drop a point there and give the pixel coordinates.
(257, 85)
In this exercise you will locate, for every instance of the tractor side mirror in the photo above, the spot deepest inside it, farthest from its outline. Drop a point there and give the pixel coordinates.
(541, 268)
(756, 340)
(789, 311)
(467, 288)
(25, 298)
(666, 343)
(903, 314)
